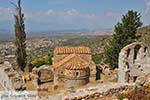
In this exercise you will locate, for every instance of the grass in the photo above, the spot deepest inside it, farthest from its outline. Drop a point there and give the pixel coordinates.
(138, 93)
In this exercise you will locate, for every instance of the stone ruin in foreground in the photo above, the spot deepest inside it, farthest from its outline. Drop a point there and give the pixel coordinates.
(73, 66)
(10, 79)
(134, 62)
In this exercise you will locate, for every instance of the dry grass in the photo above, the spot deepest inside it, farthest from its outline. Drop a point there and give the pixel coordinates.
(138, 93)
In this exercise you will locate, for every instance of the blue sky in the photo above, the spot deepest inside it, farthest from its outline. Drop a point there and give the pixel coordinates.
(46, 15)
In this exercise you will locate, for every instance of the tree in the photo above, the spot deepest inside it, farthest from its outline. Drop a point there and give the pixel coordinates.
(125, 33)
(20, 37)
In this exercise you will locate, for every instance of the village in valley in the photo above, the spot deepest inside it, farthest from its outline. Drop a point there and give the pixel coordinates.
(108, 65)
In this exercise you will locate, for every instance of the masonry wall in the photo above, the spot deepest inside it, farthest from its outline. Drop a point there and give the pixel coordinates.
(5, 81)
(134, 61)
(76, 82)
(77, 77)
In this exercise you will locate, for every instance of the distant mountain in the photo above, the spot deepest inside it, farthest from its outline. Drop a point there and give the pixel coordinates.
(73, 32)
(7, 34)
(98, 32)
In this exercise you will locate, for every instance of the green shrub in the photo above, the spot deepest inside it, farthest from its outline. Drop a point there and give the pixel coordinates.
(121, 96)
(137, 90)
(45, 60)
(98, 58)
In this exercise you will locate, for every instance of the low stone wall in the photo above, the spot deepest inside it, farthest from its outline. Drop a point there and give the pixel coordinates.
(96, 95)
(98, 91)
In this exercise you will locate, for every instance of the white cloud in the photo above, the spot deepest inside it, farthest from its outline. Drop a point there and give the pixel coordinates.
(49, 12)
(112, 14)
(7, 11)
(72, 12)
(40, 15)
(147, 2)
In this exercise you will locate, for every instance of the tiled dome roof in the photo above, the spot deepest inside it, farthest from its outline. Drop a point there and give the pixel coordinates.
(71, 50)
(73, 61)
(77, 66)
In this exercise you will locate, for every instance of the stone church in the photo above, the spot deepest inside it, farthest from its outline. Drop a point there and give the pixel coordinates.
(73, 66)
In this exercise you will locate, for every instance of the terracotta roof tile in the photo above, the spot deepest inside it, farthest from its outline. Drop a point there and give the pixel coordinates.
(77, 63)
(64, 60)
(71, 50)
(73, 61)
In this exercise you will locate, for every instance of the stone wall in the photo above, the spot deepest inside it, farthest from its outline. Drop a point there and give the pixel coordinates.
(98, 95)
(77, 77)
(44, 73)
(76, 82)
(90, 93)
(9, 78)
(134, 61)
(4, 79)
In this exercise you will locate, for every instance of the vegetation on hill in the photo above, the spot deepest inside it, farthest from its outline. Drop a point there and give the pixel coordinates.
(144, 35)
(44, 60)
(138, 93)
(96, 44)
(125, 33)
(37, 58)
(144, 30)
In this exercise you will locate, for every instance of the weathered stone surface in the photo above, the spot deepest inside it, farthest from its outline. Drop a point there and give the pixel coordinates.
(108, 75)
(19, 85)
(44, 73)
(125, 99)
(11, 79)
(142, 80)
(134, 61)
(91, 93)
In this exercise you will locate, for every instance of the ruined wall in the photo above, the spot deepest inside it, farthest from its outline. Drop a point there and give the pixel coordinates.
(134, 61)
(44, 73)
(4, 79)
(9, 78)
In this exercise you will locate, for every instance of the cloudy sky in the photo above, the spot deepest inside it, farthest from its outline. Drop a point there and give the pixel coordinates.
(44, 15)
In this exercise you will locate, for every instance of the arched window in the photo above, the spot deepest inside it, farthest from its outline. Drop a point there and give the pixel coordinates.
(145, 49)
(77, 74)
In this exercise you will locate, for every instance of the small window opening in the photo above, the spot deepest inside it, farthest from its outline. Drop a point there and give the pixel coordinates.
(77, 73)
(145, 49)
(128, 52)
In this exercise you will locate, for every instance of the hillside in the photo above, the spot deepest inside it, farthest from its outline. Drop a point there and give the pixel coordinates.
(144, 35)
(144, 29)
